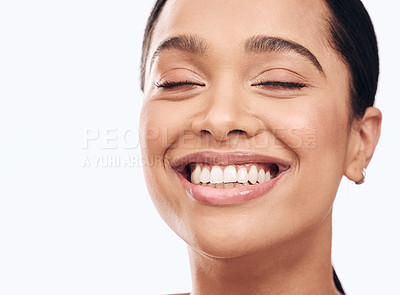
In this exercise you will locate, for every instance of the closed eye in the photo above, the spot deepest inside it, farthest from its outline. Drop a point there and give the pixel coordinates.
(169, 84)
(280, 85)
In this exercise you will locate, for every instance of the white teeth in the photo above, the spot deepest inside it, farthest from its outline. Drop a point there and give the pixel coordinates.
(228, 177)
(253, 174)
(267, 176)
(230, 174)
(242, 175)
(195, 177)
(205, 175)
(216, 176)
(261, 176)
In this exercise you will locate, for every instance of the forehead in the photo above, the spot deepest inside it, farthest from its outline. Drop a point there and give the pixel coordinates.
(227, 23)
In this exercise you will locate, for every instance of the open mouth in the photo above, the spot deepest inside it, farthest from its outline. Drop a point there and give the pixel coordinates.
(229, 170)
(230, 176)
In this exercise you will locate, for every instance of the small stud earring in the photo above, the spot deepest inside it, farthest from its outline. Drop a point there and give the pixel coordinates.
(364, 173)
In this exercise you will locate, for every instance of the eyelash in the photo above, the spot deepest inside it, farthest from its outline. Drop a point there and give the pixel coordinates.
(275, 84)
(279, 84)
(168, 84)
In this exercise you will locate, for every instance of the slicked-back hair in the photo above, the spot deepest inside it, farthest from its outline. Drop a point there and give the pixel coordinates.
(351, 35)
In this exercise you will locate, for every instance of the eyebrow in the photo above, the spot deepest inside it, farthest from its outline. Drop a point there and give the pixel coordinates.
(256, 44)
(261, 44)
(188, 43)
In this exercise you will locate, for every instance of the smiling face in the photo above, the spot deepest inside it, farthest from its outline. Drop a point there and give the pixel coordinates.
(245, 122)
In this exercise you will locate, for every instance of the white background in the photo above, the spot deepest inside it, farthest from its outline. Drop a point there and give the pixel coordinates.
(71, 66)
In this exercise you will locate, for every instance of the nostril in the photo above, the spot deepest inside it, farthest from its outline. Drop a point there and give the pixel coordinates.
(236, 131)
(206, 132)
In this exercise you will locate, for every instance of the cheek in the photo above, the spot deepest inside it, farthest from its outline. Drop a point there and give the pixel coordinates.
(310, 127)
(162, 124)
(327, 155)
(321, 154)
(315, 132)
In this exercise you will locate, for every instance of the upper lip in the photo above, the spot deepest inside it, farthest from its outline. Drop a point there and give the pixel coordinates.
(226, 158)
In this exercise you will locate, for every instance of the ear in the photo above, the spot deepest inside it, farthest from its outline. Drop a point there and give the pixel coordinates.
(364, 137)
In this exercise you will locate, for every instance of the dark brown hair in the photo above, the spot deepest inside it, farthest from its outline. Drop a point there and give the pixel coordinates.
(352, 36)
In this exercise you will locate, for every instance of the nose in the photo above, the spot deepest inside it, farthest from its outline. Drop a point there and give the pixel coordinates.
(225, 114)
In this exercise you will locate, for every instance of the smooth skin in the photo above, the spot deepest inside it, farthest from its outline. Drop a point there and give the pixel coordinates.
(279, 243)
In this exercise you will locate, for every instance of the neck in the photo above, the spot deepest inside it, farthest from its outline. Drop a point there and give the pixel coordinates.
(301, 266)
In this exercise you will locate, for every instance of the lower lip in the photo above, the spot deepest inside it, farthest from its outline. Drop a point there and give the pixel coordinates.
(228, 196)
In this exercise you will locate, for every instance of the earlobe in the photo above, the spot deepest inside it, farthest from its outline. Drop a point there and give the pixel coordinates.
(365, 136)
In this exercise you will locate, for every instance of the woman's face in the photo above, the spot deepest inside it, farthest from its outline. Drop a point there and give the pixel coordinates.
(244, 126)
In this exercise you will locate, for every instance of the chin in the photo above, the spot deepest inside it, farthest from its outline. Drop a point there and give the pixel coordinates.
(222, 243)
(232, 232)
